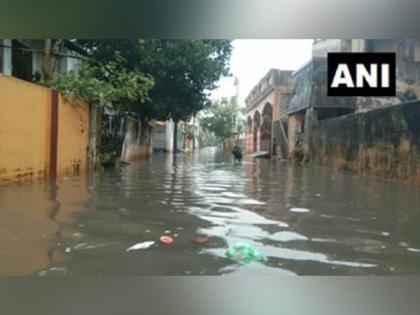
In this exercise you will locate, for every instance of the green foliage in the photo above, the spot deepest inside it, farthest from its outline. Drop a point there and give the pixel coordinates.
(224, 119)
(184, 71)
(108, 85)
(108, 159)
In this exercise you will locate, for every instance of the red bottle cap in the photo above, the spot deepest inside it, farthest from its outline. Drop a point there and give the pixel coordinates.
(166, 239)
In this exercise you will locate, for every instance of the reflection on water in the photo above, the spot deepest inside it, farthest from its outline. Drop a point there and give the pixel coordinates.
(307, 220)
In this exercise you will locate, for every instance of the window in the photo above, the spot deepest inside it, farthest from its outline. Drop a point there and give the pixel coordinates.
(21, 61)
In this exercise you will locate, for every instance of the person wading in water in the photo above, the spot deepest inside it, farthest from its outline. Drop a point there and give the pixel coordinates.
(237, 153)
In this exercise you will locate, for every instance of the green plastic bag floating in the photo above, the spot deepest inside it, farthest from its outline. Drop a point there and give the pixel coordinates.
(245, 253)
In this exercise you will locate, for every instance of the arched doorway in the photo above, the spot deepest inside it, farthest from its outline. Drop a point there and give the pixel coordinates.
(257, 122)
(267, 123)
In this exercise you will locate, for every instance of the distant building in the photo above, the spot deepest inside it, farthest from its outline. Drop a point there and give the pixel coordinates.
(265, 117)
(163, 136)
(309, 102)
(188, 135)
(23, 59)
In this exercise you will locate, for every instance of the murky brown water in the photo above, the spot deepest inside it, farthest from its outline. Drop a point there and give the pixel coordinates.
(307, 220)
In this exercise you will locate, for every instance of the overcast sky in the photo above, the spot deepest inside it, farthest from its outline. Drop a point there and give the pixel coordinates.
(252, 58)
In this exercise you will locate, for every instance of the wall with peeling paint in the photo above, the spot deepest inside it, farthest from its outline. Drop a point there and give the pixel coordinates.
(382, 142)
(25, 132)
(73, 139)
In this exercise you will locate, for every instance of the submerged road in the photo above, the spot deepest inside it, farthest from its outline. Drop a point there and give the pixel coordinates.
(307, 220)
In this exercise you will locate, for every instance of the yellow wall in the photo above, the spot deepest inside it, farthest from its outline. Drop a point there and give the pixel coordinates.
(24, 129)
(73, 136)
(25, 122)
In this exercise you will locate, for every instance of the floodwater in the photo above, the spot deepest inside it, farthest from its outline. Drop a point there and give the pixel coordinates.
(307, 220)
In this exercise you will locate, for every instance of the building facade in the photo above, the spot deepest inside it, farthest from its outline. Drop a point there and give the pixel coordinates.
(265, 116)
(24, 59)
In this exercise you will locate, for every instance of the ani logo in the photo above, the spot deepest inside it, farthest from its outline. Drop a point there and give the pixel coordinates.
(361, 74)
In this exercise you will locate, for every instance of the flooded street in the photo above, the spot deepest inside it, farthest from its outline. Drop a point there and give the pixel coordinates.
(307, 220)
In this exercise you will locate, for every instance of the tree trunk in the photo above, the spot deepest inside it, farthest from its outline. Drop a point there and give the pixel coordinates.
(184, 145)
(51, 49)
(94, 135)
(175, 148)
(193, 134)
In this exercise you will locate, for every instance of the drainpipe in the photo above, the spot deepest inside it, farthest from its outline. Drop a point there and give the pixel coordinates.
(54, 135)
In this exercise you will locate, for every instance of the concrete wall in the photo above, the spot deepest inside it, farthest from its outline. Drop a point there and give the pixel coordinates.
(295, 129)
(73, 136)
(25, 132)
(24, 129)
(383, 142)
(137, 141)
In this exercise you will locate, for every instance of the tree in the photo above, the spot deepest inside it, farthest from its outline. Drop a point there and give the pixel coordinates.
(108, 85)
(119, 74)
(184, 71)
(52, 47)
(224, 119)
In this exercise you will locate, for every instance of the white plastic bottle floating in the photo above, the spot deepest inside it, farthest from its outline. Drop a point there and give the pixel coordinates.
(143, 245)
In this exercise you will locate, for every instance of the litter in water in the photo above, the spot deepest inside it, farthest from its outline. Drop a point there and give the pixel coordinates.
(142, 245)
(299, 210)
(202, 239)
(166, 240)
(245, 253)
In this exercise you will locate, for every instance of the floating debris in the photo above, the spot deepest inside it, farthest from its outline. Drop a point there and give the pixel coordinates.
(413, 250)
(202, 239)
(299, 210)
(287, 236)
(245, 253)
(166, 240)
(143, 245)
(84, 246)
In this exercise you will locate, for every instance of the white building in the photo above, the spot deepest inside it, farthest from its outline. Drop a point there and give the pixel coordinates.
(162, 136)
(188, 135)
(24, 58)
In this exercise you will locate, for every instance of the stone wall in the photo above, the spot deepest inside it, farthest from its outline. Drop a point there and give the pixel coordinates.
(382, 142)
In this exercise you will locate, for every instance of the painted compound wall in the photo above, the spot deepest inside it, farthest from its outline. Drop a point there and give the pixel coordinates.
(25, 132)
(73, 136)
